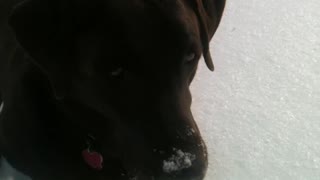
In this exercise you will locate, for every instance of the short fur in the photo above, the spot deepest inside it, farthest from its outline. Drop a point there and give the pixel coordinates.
(119, 70)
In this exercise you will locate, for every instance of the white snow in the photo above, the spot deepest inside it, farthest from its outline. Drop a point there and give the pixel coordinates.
(190, 131)
(259, 112)
(178, 161)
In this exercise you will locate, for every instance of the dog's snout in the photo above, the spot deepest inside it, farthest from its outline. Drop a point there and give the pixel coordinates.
(167, 145)
(184, 163)
(177, 160)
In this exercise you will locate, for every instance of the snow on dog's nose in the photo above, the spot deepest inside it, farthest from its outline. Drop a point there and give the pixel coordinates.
(178, 161)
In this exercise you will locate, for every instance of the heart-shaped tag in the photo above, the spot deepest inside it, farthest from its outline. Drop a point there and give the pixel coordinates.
(93, 159)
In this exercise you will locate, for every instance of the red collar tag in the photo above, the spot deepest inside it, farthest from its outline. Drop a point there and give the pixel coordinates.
(93, 159)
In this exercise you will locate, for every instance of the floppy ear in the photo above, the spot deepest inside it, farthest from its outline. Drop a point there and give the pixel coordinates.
(209, 13)
(40, 31)
(214, 10)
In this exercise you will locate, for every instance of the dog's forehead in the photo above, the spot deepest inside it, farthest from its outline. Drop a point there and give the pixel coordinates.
(164, 27)
(150, 32)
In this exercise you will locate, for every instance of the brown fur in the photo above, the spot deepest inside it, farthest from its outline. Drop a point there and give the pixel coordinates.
(57, 62)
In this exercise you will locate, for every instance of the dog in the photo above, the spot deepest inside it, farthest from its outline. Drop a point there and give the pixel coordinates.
(99, 89)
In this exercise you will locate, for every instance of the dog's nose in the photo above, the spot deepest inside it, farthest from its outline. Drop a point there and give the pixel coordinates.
(186, 160)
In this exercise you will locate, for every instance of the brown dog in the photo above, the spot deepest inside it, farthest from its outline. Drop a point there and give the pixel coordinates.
(99, 89)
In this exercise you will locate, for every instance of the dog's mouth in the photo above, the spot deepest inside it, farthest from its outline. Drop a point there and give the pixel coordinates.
(136, 158)
(179, 166)
(144, 149)
(172, 161)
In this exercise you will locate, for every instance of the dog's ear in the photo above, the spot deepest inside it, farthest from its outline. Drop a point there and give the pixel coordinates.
(214, 10)
(39, 29)
(209, 13)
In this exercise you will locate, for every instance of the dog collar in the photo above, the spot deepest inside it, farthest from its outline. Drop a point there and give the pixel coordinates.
(91, 157)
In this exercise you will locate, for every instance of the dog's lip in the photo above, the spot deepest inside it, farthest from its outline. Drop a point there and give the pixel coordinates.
(141, 176)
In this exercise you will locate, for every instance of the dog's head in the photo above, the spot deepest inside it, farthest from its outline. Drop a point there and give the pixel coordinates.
(131, 61)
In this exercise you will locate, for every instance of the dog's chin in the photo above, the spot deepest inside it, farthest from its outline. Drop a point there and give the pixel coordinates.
(145, 152)
(136, 175)
(174, 164)
(147, 160)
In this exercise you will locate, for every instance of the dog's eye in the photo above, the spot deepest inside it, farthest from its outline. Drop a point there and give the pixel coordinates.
(117, 72)
(190, 57)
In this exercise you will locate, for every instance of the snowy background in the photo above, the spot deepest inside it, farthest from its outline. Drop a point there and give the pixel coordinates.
(260, 110)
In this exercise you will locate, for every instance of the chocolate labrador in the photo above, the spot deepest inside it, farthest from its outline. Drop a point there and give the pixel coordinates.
(99, 89)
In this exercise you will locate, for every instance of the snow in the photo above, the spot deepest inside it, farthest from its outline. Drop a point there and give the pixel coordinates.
(259, 112)
(8, 173)
(190, 131)
(179, 161)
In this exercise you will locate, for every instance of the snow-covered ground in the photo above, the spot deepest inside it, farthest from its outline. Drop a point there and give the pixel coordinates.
(260, 110)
